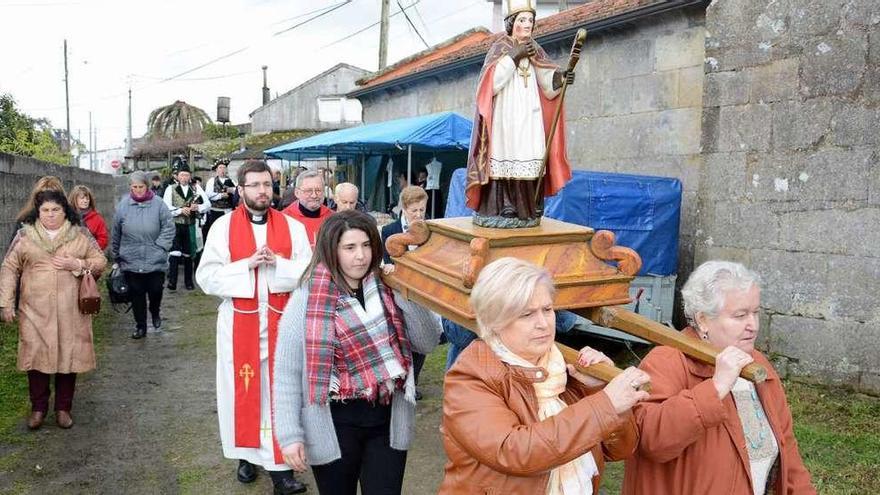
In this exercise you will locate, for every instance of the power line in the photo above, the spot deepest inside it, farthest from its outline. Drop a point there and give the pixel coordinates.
(310, 19)
(413, 26)
(240, 50)
(367, 28)
(207, 78)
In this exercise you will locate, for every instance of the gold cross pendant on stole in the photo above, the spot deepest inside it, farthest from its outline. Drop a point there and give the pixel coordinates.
(264, 429)
(247, 373)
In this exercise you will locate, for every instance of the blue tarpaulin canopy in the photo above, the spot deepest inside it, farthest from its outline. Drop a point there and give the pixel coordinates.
(443, 131)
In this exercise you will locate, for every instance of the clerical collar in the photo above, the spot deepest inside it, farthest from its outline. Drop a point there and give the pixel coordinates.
(309, 213)
(257, 219)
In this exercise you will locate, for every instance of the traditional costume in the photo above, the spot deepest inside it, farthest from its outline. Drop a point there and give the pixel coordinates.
(511, 125)
(185, 244)
(247, 323)
(217, 189)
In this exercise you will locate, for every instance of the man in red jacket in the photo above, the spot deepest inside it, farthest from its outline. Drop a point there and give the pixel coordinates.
(309, 208)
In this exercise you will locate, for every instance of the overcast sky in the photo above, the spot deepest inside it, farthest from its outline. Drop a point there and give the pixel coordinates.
(195, 51)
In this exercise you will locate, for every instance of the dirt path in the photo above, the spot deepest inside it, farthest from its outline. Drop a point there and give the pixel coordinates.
(146, 420)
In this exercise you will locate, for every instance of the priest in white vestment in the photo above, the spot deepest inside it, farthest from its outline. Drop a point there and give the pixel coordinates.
(252, 259)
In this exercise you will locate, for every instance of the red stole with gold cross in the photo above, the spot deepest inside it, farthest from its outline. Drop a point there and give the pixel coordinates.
(246, 326)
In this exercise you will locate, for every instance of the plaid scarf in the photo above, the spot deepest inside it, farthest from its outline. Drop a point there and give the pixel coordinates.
(351, 358)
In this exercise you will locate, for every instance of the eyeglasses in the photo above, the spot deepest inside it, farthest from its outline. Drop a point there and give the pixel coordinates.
(312, 192)
(258, 185)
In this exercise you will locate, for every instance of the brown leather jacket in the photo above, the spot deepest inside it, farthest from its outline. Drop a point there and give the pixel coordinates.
(495, 443)
(692, 442)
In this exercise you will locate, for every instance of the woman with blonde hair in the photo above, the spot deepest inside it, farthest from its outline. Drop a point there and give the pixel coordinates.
(516, 419)
(82, 199)
(413, 204)
(45, 183)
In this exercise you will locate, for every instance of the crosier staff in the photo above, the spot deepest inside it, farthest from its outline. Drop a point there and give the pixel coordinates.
(573, 59)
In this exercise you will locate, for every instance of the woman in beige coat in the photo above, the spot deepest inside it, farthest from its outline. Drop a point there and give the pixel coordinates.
(49, 255)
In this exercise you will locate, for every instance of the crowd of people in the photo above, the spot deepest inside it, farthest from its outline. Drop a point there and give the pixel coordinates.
(315, 349)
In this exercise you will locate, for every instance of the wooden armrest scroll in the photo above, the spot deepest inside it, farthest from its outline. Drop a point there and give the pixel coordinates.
(602, 245)
(418, 234)
(479, 255)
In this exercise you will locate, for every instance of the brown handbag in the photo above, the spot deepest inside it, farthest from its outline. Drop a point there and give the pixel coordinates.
(89, 297)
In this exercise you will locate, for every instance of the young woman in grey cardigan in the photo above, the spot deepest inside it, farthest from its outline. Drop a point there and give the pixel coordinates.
(343, 388)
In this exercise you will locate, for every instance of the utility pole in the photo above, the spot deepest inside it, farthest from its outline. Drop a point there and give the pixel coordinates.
(563, 5)
(67, 98)
(266, 95)
(128, 141)
(91, 149)
(383, 35)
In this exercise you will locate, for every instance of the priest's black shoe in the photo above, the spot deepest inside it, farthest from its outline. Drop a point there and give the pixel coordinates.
(157, 322)
(246, 472)
(139, 333)
(285, 483)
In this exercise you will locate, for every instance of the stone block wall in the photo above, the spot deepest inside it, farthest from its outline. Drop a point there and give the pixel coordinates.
(18, 175)
(791, 184)
(637, 106)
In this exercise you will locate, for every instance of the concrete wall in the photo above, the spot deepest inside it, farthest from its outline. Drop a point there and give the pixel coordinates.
(298, 108)
(791, 183)
(18, 175)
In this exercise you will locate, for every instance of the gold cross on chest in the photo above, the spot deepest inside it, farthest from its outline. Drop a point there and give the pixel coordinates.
(524, 73)
(265, 430)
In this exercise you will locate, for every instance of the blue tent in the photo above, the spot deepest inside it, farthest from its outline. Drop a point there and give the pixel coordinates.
(445, 131)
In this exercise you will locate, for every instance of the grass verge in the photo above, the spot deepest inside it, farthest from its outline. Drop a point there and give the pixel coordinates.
(838, 434)
(14, 402)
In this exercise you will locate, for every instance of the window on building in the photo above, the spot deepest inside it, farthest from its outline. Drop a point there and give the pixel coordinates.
(338, 109)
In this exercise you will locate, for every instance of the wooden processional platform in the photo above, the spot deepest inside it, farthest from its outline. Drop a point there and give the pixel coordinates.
(591, 275)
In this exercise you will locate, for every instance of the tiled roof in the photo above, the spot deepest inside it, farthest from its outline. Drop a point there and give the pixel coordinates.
(450, 50)
(476, 42)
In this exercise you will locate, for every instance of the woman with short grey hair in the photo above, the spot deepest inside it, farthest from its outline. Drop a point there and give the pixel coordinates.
(141, 239)
(704, 429)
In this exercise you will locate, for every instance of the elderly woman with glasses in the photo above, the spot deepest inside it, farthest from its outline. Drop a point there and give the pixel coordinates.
(704, 429)
(514, 421)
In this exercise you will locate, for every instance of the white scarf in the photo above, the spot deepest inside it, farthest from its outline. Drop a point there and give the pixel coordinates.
(575, 477)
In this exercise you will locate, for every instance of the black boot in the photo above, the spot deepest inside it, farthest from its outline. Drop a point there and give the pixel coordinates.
(285, 483)
(173, 263)
(188, 273)
(246, 472)
(139, 333)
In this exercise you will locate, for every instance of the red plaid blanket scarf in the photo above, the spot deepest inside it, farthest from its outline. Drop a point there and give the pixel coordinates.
(348, 358)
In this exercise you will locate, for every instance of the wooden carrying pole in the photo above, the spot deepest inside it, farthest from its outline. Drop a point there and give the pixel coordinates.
(579, 39)
(603, 371)
(635, 324)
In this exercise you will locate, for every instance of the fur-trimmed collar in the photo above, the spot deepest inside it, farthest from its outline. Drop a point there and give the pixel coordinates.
(38, 235)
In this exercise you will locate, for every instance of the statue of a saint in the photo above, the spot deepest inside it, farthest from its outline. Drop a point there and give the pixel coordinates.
(513, 119)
